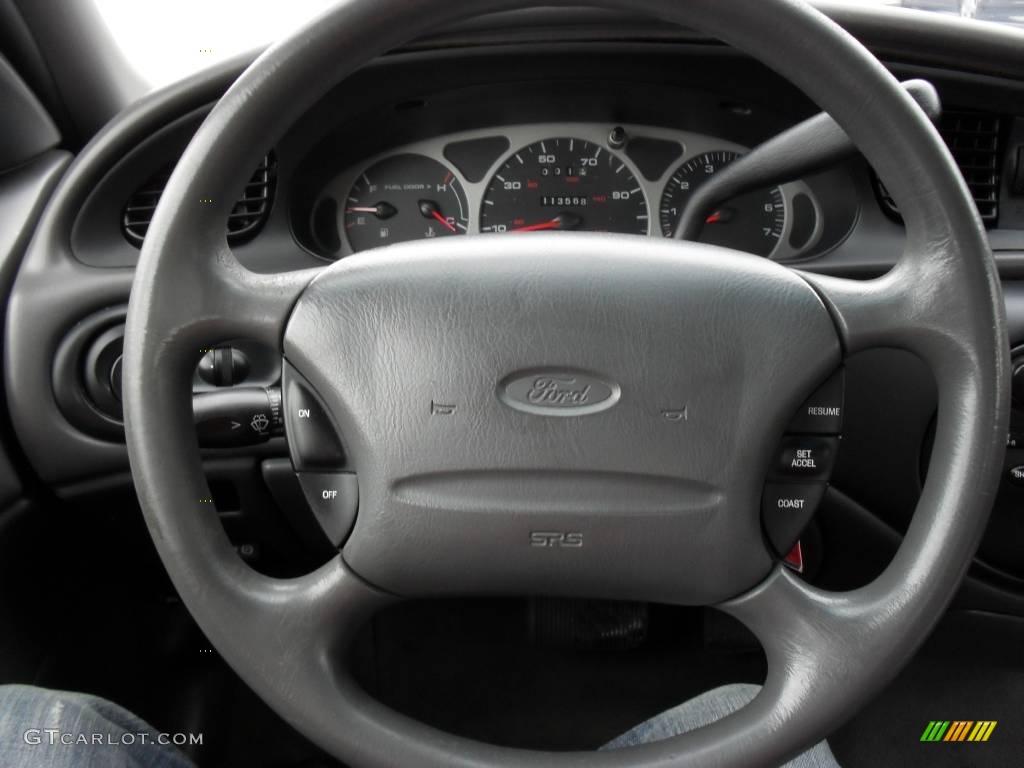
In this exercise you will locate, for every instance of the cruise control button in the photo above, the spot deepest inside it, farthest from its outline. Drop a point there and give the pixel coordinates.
(806, 458)
(334, 499)
(822, 414)
(786, 510)
(312, 441)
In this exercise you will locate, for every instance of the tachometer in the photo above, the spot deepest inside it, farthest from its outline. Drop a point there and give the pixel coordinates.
(564, 184)
(754, 222)
(404, 197)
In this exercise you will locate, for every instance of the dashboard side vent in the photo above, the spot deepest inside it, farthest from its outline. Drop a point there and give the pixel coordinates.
(973, 139)
(244, 222)
(253, 207)
(138, 211)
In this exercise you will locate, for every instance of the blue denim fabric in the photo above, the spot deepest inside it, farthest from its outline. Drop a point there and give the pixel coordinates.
(706, 709)
(28, 717)
(31, 718)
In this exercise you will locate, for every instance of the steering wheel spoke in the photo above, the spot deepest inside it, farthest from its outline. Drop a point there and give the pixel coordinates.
(257, 305)
(314, 617)
(223, 301)
(870, 313)
(814, 642)
(916, 306)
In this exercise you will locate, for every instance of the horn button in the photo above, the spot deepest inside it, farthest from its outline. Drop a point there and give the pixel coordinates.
(586, 415)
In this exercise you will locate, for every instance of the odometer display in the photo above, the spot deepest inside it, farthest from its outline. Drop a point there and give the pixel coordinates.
(564, 184)
(754, 222)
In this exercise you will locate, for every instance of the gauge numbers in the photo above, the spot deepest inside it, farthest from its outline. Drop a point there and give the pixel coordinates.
(564, 184)
(753, 222)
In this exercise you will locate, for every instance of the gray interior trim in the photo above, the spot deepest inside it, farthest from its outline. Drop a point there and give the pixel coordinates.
(26, 130)
(50, 277)
(900, 34)
(93, 78)
(23, 193)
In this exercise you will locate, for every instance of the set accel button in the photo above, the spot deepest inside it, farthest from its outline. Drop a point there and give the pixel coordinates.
(806, 458)
(799, 474)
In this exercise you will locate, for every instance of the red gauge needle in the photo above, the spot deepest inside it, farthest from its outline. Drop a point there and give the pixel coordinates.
(561, 221)
(553, 224)
(724, 216)
(429, 210)
(443, 220)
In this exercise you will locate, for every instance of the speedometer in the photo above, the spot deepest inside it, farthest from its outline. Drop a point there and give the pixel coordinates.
(564, 184)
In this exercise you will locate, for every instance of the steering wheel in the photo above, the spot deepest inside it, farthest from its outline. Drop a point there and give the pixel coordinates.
(656, 509)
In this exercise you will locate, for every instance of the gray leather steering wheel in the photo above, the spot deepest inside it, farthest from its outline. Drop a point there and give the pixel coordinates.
(666, 511)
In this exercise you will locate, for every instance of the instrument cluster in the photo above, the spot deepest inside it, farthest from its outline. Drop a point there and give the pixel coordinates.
(627, 179)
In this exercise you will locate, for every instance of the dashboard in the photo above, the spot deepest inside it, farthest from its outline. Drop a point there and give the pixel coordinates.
(579, 135)
(622, 178)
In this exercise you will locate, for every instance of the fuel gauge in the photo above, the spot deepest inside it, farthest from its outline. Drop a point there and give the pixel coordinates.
(404, 197)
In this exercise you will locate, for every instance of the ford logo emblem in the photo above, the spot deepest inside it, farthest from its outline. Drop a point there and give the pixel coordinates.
(558, 393)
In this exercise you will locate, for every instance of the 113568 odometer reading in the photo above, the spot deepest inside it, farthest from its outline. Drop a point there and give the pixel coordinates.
(564, 184)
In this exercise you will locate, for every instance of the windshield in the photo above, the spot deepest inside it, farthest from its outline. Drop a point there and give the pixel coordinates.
(166, 40)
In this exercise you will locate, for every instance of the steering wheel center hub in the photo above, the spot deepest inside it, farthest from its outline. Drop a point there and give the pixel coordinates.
(538, 414)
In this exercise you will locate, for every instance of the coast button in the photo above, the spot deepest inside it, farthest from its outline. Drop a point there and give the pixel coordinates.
(786, 509)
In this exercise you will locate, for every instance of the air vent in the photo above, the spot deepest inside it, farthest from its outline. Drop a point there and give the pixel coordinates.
(244, 222)
(973, 138)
